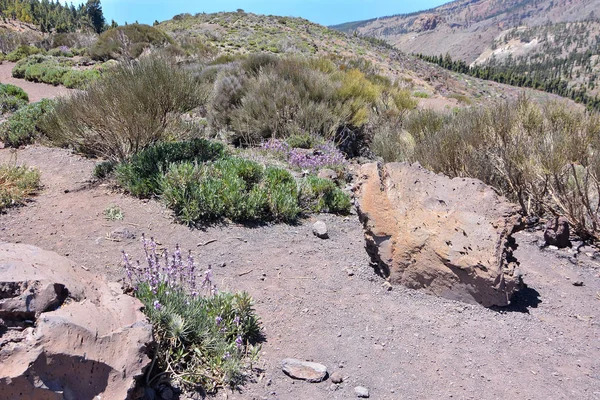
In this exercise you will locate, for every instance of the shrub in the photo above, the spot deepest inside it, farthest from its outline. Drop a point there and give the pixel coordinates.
(140, 174)
(323, 195)
(76, 79)
(16, 184)
(127, 42)
(203, 336)
(237, 189)
(22, 52)
(12, 98)
(325, 155)
(25, 125)
(104, 169)
(128, 109)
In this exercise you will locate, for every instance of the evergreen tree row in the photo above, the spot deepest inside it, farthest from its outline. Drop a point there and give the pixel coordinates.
(51, 16)
(543, 77)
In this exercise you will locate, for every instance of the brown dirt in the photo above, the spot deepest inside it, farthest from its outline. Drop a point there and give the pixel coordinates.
(36, 91)
(400, 344)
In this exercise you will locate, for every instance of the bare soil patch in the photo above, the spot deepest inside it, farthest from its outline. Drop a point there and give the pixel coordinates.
(399, 344)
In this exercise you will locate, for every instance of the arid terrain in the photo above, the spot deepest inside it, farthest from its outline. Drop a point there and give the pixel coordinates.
(320, 300)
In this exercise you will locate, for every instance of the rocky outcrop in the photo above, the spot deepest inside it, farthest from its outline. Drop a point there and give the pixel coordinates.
(449, 237)
(557, 232)
(66, 334)
(426, 22)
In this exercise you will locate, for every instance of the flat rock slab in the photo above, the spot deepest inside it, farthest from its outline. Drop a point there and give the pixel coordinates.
(304, 370)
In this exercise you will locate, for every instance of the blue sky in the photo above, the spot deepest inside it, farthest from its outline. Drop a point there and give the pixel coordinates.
(325, 12)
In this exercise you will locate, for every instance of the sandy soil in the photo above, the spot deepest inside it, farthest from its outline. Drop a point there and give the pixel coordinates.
(36, 91)
(400, 344)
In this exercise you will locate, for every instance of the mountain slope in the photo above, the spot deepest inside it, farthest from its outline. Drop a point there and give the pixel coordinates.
(231, 34)
(467, 28)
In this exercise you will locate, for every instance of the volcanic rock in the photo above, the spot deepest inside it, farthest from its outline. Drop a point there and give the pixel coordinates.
(449, 237)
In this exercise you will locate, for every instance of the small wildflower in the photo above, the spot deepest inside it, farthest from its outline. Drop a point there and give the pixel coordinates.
(218, 320)
(226, 356)
(239, 342)
(157, 305)
(236, 321)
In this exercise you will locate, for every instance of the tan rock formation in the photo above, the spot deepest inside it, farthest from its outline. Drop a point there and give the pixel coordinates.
(449, 237)
(67, 334)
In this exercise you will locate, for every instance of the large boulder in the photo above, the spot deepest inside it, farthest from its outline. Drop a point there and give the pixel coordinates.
(66, 333)
(449, 237)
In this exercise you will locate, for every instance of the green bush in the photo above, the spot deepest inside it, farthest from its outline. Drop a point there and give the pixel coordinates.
(132, 106)
(140, 174)
(323, 195)
(22, 52)
(54, 71)
(237, 189)
(12, 98)
(76, 79)
(104, 169)
(16, 184)
(128, 41)
(24, 126)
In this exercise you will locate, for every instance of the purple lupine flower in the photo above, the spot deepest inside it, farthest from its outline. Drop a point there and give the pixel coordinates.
(239, 342)
(218, 320)
(157, 305)
(226, 356)
(236, 321)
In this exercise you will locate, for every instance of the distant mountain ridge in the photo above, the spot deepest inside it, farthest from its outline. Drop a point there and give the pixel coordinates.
(466, 28)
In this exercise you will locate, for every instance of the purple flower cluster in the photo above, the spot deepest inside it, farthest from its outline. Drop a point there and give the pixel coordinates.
(168, 269)
(64, 49)
(277, 147)
(324, 155)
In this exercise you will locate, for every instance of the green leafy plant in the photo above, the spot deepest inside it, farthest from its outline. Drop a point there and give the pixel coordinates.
(203, 336)
(24, 126)
(17, 183)
(141, 173)
(22, 52)
(12, 98)
(322, 195)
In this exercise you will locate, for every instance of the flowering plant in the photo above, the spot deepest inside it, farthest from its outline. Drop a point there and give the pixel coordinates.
(202, 336)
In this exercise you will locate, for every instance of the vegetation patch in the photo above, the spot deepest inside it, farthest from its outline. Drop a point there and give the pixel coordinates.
(127, 42)
(54, 71)
(141, 173)
(203, 336)
(132, 106)
(545, 158)
(17, 183)
(12, 98)
(24, 126)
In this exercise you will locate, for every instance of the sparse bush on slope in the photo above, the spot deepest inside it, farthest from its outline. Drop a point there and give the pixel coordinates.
(128, 109)
(264, 96)
(127, 42)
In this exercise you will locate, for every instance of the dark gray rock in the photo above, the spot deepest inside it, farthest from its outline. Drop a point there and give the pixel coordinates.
(557, 232)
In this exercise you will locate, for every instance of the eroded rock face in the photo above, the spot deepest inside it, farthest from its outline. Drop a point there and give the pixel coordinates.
(557, 232)
(449, 237)
(66, 334)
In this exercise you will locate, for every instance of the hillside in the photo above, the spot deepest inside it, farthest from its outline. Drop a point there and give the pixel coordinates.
(230, 34)
(541, 39)
(466, 28)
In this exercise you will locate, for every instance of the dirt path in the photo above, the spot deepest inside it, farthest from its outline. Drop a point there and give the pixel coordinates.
(400, 344)
(36, 91)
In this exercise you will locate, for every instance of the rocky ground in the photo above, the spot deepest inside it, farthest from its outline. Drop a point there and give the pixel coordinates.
(320, 300)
